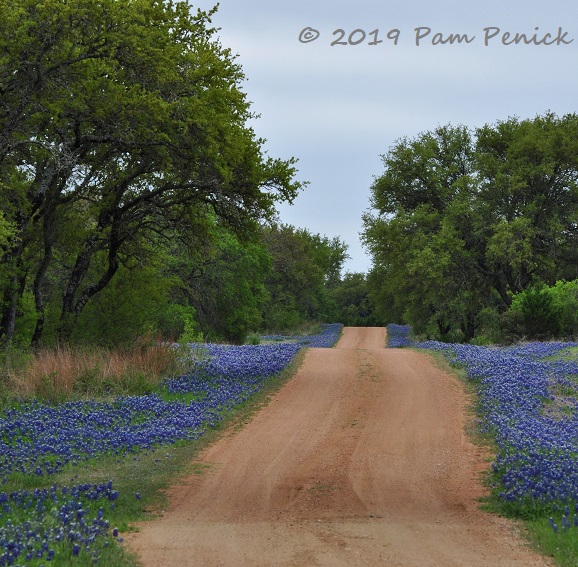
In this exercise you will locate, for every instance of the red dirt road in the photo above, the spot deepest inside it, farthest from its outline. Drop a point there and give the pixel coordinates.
(359, 460)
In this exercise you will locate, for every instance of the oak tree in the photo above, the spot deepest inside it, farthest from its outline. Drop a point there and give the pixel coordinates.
(129, 116)
(464, 219)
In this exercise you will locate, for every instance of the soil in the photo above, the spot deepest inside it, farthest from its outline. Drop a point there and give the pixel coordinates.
(361, 459)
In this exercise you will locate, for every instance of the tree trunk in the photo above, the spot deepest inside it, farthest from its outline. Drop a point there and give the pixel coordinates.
(10, 304)
(73, 306)
(10, 308)
(468, 327)
(39, 280)
(443, 328)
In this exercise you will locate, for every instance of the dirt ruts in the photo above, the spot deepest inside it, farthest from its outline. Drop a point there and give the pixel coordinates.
(360, 459)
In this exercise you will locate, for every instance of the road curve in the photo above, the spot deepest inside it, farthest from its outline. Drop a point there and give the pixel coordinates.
(359, 460)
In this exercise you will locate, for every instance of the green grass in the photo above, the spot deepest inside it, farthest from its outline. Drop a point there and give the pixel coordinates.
(147, 473)
(570, 353)
(562, 545)
(534, 520)
(253, 339)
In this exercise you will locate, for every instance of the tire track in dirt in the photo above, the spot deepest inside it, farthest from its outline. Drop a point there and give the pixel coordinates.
(360, 459)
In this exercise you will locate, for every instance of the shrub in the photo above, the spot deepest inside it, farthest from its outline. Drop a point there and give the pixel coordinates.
(540, 312)
(513, 326)
(253, 339)
(565, 296)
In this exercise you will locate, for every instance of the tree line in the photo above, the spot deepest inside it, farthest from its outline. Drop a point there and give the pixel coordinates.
(472, 227)
(134, 196)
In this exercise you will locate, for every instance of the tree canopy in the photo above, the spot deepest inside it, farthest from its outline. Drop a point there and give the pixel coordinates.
(122, 124)
(304, 269)
(466, 218)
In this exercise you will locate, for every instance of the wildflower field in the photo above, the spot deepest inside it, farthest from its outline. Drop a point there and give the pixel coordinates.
(73, 524)
(527, 399)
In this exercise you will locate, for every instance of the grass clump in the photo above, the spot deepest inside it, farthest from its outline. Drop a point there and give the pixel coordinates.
(69, 372)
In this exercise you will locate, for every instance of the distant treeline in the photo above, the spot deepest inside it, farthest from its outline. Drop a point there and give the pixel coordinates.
(278, 280)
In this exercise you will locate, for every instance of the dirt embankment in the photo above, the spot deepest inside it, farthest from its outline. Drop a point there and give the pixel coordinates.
(361, 459)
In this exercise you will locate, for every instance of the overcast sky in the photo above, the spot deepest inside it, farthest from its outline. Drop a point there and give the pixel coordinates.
(338, 108)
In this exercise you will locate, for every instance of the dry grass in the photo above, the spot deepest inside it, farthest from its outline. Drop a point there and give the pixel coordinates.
(65, 372)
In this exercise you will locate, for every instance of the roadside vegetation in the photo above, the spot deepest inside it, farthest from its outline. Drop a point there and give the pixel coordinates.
(140, 248)
(474, 247)
(473, 242)
(73, 474)
(73, 372)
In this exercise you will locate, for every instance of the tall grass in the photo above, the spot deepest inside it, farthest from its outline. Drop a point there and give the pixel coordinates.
(67, 372)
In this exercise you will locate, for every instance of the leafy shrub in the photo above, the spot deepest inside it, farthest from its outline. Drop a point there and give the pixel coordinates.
(489, 331)
(190, 333)
(565, 296)
(253, 339)
(542, 312)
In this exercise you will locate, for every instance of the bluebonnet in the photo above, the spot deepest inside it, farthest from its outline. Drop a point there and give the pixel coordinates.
(39, 439)
(398, 335)
(33, 522)
(326, 338)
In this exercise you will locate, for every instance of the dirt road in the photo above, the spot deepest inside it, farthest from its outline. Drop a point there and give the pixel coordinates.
(361, 459)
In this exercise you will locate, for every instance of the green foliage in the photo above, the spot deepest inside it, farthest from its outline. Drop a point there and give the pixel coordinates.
(539, 310)
(467, 219)
(227, 289)
(305, 267)
(543, 312)
(13, 359)
(489, 331)
(124, 125)
(190, 333)
(353, 306)
(253, 339)
(562, 545)
(135, 303)
(7, 231)
(26, 321)
(513, 326)
(565, 298)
